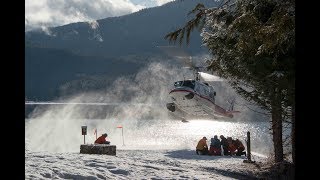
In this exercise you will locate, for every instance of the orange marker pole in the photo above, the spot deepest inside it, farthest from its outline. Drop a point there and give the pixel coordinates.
(122, 136)
(122, 133)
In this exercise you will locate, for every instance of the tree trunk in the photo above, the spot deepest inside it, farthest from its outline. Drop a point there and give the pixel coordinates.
(293, 134)
(277, 129)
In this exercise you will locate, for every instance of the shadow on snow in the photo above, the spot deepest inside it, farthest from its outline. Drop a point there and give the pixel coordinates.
(191, 154)
(232, 174)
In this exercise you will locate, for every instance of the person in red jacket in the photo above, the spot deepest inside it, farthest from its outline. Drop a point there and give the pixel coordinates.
(231, 146)
(102, 139)
(240, 148)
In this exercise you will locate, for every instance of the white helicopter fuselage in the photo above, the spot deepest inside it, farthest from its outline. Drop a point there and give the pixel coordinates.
(196, 98)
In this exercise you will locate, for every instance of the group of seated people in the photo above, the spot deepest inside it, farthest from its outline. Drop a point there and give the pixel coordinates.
(225, 146)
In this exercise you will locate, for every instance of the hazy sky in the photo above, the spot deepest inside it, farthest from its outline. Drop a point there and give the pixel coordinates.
(42, 13)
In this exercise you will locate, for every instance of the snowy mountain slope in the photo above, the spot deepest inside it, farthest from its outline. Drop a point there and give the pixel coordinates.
(137, 33)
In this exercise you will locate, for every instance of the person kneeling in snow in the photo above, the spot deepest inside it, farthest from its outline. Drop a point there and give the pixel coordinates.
(102, 139)
(215, 146)
(231, 146)
(202, 147)
(240, 148)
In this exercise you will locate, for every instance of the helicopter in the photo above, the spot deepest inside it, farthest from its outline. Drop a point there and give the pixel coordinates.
(195, 98)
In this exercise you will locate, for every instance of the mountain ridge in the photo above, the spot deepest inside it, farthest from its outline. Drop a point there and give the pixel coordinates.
(131, 39)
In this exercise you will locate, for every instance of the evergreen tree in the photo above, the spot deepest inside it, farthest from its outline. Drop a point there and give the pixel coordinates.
(253, 45)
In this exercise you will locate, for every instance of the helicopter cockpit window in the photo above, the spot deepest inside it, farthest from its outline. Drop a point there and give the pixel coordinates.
(189, 84)
(178, 83)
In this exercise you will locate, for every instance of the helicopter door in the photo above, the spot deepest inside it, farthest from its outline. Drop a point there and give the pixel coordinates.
(203, 89)
(212, 93)
(197, 87)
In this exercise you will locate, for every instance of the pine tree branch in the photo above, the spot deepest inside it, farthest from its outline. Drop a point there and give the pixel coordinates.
(197, 21)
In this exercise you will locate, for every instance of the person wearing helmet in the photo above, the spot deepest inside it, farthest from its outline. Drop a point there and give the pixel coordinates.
(231, 146)
(215, 146)
(202, 147)
(225, 145)
(102, 139)
(240, 148)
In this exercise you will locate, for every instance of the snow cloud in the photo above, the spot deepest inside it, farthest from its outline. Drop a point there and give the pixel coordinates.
(138, 105)
(56, 128)
(150, 3)
(43, 13)
(161, 2)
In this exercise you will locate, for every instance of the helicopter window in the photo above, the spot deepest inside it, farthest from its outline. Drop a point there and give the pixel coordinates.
(189, 84)
(212, 94)
(178, 83)
(204, 89)
(211, 89)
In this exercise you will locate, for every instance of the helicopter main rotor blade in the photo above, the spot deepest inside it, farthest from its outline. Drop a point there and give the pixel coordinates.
(209, 77)
(178, 53)
(186, 60)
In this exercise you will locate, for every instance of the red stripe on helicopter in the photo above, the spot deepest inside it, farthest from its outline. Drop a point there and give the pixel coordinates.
(193, 93)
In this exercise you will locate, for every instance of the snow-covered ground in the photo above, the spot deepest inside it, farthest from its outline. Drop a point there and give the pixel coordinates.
(157, 149)
(136, 164)
(152, 145)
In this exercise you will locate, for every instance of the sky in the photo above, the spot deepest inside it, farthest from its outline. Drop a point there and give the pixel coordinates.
(45, 13)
